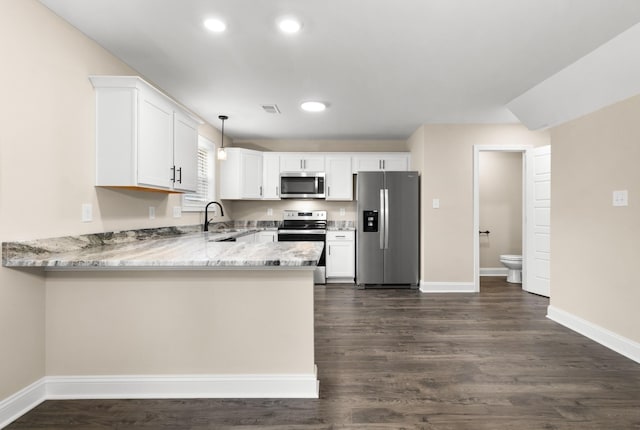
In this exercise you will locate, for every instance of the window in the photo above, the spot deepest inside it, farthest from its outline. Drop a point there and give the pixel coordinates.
(206, 178)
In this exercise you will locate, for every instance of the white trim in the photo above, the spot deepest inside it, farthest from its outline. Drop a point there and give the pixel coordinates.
(611, 340)
(18, 404)
(280, 386)
(447, 287)
(494, 271)
(527, 203)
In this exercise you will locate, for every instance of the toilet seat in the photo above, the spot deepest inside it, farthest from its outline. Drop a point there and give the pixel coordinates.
(511, 257)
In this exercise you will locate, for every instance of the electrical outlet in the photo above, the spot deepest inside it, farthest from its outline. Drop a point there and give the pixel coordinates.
(152, 212)
(87, 212)
(269, 211)
(621, 198)
(177, 211)
(435, 204)
(342, 211)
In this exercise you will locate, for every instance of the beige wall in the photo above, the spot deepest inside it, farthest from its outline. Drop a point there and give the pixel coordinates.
(180, 322)
(47, 167)
(500, 211)
(448, 175)
(595, 247)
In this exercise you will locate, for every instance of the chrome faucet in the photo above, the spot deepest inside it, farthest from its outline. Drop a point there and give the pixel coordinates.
(206, 214)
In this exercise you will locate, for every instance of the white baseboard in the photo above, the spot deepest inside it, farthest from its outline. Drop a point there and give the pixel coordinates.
(611, 340)
(18, 404)
(447, 287)
(494, 271)
(282, 386)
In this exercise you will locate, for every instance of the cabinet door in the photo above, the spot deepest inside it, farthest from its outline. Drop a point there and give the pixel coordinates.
(396, 163)
(251, 175)
(291, 163)
(340, 259)
(185, 153)
(339, 178)
(248, 238)
(366, 163)
(155, 141)
(301, 163)
(266, 236)
(313, 163)
(270, 176)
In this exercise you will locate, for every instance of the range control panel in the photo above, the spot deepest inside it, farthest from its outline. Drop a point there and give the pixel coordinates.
(370, 221)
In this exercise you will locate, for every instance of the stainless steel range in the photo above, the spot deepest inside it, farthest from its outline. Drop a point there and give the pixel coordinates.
(306, 226)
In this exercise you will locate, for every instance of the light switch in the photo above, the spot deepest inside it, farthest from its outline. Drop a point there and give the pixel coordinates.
(177, 211)
(152, 212)
(87, 212)
(269, 211)
(342, 211)
(621, 198)
(436, 203)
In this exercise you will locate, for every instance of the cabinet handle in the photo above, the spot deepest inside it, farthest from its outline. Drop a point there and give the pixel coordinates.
(260, 190)
(340, 235)
(329, 249)
(277, 191)
(384, 164)
(380, 164)
(173, 174)
(329, 191)
(301, 165)
(180, 177)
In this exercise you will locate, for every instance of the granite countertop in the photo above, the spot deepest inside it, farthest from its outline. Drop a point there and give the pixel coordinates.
(169, 248)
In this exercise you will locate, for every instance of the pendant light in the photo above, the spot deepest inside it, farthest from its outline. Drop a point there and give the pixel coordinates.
(222, 154)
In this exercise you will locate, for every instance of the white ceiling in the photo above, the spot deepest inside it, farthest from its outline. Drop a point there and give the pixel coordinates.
(384, 66)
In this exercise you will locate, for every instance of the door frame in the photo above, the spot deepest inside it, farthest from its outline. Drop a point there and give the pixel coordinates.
(527, 205)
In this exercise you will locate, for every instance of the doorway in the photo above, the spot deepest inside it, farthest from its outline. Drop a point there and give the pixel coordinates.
(535, 222)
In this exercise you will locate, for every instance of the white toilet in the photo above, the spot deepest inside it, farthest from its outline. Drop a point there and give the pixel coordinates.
(514, 264)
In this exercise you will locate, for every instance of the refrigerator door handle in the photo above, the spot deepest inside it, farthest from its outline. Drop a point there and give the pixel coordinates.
(386, 219)
(383, 216)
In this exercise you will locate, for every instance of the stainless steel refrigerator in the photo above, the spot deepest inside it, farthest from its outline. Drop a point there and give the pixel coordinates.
(388, 229)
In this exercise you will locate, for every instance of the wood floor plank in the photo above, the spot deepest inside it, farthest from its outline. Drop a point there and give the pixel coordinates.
(399, 359)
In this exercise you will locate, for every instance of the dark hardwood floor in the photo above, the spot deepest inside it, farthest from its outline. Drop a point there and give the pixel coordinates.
(399, 359)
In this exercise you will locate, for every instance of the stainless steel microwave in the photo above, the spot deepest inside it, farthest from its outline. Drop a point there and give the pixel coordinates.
(302, 185)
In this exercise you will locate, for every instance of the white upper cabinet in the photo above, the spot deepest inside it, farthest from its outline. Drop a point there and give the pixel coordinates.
(184, 152)
(144, 139)
(270, 176)
(339, 177)
(384, 161)
(301, 162)
(241, 175)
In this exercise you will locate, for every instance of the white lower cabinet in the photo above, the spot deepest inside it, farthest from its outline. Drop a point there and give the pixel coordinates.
(259, 237)
(340, 256)
(266, 236)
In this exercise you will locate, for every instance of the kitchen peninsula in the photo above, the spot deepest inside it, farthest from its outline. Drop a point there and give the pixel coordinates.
(175, 313)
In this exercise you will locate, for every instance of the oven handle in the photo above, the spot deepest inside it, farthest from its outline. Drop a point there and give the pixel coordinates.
(302, 232)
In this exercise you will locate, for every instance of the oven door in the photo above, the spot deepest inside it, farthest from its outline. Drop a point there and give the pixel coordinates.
(319, 276)
(302, 185)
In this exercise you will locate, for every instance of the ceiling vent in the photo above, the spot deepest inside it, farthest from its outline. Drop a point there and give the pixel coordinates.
(271, 108)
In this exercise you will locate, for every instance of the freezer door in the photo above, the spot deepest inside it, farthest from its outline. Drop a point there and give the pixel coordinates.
(401, 256)
(369, 263)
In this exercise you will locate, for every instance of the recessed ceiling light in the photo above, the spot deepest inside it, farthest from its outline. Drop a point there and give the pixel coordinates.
(313, 106)
(289, 25)
(215, 25)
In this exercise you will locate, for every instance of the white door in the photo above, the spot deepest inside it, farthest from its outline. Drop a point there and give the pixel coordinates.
(539, 258)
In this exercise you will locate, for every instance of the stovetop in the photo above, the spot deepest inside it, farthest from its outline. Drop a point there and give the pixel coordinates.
(304, 220)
